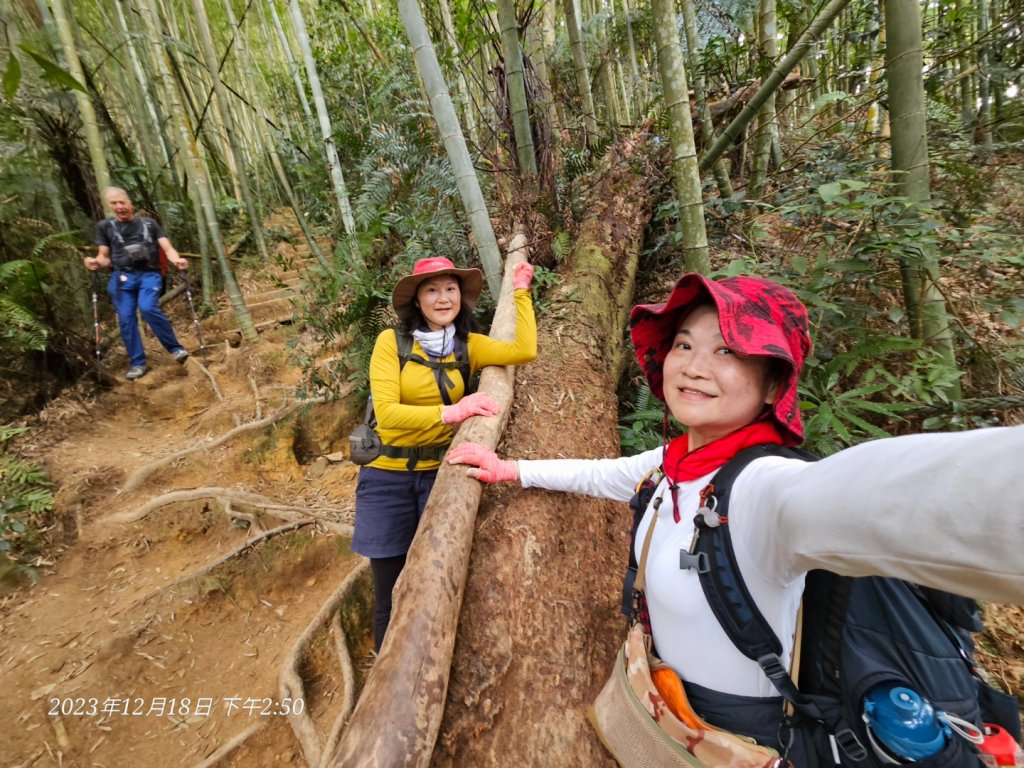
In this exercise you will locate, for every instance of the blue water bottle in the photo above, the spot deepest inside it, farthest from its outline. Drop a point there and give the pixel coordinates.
(902, 725)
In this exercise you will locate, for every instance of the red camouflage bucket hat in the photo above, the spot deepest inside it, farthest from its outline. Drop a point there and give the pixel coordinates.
(756, 316)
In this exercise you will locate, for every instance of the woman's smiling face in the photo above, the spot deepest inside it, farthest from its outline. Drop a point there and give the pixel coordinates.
(709, 388)
(439, 300)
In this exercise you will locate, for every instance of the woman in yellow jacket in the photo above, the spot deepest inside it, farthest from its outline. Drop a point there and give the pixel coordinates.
(420, 401)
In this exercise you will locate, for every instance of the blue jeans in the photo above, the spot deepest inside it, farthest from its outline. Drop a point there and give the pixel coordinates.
(131, 291)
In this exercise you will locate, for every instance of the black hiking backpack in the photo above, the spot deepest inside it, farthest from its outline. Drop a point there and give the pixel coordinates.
(856, 633)
(133, 257)
(365, 444)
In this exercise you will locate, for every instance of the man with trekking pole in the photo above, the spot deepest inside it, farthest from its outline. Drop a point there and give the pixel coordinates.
(132, 245)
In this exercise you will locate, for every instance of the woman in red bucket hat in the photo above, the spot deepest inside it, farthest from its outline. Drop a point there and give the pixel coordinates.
(420, 374)
(725, 357)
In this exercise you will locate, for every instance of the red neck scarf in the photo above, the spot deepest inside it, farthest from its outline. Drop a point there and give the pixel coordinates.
(682, 464)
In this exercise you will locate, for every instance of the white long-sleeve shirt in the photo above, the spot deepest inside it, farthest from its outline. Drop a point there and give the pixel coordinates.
(944, 510)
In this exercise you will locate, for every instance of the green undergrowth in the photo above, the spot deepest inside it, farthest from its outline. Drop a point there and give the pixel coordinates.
(25, 506)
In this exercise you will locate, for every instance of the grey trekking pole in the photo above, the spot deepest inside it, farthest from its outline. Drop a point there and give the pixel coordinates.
(96, 322)
(195, 317)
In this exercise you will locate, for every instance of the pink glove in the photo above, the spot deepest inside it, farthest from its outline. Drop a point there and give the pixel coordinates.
(522, 275)
(486, 466)
(477, 404)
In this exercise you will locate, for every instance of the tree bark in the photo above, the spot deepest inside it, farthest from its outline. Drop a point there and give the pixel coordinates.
(458, 60)
(984, 133)
(540, 622)
(145, 91)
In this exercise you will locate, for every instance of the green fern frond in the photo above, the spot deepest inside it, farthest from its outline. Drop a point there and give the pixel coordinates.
(560, 245)
(40, 246)
(20, 330)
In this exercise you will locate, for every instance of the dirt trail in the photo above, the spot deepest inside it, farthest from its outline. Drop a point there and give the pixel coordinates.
(130, 649)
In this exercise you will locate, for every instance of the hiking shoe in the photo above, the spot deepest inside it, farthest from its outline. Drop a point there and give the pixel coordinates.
(181, 356)
(136, 372)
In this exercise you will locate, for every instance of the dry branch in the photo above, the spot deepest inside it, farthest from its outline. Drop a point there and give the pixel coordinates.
(407, 686)
(291, 686)
(138, 476)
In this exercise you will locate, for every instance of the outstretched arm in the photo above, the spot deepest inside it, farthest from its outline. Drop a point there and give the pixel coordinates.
(944, 510)
(604, 478)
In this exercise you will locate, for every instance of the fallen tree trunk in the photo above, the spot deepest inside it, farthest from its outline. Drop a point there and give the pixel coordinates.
(396, 720)
(540, 622)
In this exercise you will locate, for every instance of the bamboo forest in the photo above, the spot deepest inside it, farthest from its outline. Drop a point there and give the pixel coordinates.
(178, 585)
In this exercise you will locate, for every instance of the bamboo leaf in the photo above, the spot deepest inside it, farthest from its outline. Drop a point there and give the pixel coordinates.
(12, 77)
(54, 74)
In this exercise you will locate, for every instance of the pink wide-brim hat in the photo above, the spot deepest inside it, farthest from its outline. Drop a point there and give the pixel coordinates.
(756, 317)
(435, 266)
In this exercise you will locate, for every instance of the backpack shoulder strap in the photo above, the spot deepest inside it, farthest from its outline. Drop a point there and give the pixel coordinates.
(113, 233)
(404, 343)
(444, 383)
(641, 499)
(462, 358)
(724, 588)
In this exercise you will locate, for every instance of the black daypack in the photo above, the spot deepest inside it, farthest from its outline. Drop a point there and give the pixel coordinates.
(365, 444)
(134, 257)
(856, 633)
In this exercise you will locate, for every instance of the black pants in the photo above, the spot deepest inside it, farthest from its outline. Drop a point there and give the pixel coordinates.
(385, 573)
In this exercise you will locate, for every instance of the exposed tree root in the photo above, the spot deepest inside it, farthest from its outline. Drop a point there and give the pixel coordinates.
(139, 475)
(348, 698)
(228, 496)
(256, 397)
(291, 685)
(233, 554)
(229, 746)
(213, 381)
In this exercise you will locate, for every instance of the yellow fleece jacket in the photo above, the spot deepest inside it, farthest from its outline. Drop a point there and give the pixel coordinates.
(407, 401)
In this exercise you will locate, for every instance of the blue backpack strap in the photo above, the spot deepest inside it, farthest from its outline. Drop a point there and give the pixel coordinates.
(713, 556)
